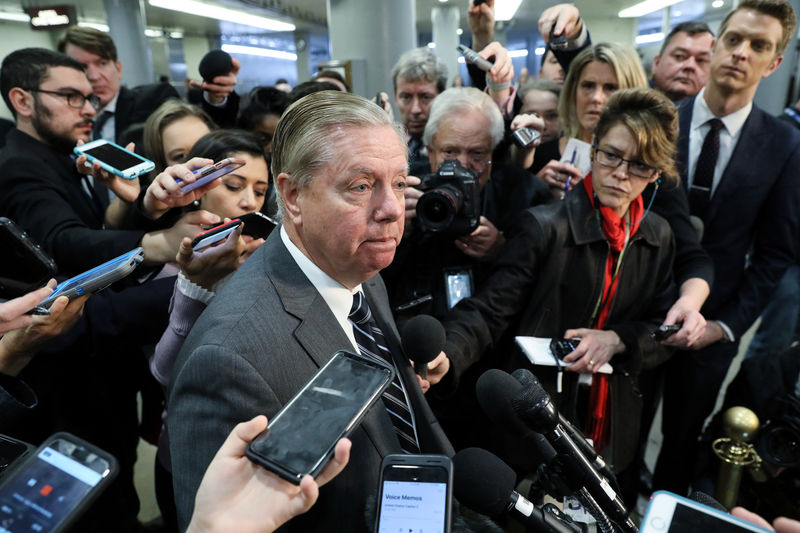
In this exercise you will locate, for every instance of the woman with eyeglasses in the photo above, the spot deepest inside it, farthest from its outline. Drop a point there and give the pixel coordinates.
(595, 267)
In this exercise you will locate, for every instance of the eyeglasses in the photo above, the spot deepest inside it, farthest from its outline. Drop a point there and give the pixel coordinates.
(612, 160)
(478, 159)
(74, 98)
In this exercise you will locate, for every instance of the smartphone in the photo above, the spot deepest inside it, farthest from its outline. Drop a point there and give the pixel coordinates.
(670, 513)
(115, 159)
(11, 452)
(525, 136)
(300, 439)
(257, 225)
(98, 278)
(209, 173)
(473, 57)
(25, 266)
(415, 494)
(557, 41)
(215, 234)
(664, 332)
(54, 485)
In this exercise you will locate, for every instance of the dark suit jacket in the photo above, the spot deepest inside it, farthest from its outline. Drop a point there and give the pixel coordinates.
(755, 205)
(41, 191)
(263, 336)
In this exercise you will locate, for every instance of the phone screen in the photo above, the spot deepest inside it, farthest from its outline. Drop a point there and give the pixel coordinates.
(43, 494)
(304, 432)
(413, 498)
(113, 156)
(688, 520)
(10, 451)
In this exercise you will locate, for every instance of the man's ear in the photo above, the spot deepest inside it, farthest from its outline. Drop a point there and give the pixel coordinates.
(119, 67)
(656, 60)
(22, 101)
(290, 193)
(773, 66)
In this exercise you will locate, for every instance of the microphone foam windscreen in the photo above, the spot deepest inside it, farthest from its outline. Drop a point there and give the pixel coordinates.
(495, 389)
(705, 499)
(529, 404)
(423, 337)
(525, 377)
(482, 481)
(215, 63)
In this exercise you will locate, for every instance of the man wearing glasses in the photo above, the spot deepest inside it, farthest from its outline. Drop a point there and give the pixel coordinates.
(435, 269)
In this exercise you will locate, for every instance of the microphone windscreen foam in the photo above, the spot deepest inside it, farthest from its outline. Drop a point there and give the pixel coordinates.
(423, 338)
(215, 63)
(525, 377)
(705, 499)
(482, 481)
(530, 405)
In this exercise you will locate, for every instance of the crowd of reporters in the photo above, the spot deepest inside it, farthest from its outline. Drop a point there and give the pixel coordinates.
(500, 239)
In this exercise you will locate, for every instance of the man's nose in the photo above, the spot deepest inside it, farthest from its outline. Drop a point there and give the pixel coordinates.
(390, 203)
(415, 105)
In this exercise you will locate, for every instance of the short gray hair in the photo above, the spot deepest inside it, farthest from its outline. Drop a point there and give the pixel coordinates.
(455, 101)
(539, 84)
(420, 64)
(303, 145)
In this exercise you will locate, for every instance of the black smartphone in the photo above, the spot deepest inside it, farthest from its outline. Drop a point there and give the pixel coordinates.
(557, 41)
(664, 332)
(415, 494)
(25, 266)
(115, 159)
(215, 234)
(563, 347)
(300, 439)
(54, 485)
(257, 225)
(97, 278)
(12, 451)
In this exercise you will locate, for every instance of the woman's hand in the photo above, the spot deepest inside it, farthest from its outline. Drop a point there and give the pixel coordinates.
(125, 190)
(560, 176)
(165, 192)
(596, 348)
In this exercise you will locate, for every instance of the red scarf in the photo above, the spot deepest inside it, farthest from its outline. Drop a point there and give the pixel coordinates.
(613, 226)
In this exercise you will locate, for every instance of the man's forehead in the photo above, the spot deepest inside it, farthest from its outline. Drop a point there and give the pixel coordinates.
(407, 85)
(752, 22)
(690, 42)
(66, 77)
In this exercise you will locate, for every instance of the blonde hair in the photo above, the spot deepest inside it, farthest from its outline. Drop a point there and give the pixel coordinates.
(167, 113)
(622, 59)
(303, 143)
(652, 119)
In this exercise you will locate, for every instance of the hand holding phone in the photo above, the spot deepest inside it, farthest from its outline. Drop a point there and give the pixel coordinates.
(114, 158)
(663, 332)
(165, 191)
(670, 513)
(215, 234)
(209, 173)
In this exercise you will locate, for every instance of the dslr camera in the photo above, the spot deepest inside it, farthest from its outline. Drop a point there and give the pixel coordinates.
(451, 202)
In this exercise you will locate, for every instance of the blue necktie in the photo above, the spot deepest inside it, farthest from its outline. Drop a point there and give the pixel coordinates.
(372, 343)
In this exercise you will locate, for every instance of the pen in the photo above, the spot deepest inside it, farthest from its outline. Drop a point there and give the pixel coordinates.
(571, 162)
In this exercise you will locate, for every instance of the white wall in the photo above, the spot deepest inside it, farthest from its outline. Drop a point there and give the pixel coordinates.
(18, 35)
(194, 48)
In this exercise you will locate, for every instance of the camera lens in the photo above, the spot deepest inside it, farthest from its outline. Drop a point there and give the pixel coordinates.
(780, 445)
(437, 208)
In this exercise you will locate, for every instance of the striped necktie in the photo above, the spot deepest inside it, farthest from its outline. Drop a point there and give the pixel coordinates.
(372, 343)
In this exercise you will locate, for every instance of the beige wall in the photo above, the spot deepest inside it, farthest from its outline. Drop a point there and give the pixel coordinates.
(18, 35)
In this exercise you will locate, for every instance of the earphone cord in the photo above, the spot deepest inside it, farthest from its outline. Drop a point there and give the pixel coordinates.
(649, 204)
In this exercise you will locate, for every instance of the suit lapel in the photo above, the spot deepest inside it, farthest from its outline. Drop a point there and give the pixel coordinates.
(684, 129)
(122, 111)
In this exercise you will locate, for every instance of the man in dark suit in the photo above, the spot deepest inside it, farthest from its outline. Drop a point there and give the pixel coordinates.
(739, 166)
(121, 107)
(340, 167)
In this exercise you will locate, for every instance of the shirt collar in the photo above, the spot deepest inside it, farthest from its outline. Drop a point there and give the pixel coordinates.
(338, 297)
(111, 107)
(733, 122)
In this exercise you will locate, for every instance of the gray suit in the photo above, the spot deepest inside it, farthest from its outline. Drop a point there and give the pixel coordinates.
(263, 336)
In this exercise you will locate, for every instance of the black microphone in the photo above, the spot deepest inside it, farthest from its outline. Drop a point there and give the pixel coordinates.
(527, 379)
(423, 338)
(483, 482)
(495, 390)
(534, 407)
(215, 63)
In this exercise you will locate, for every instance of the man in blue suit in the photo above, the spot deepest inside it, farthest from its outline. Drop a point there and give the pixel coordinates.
(740, 169)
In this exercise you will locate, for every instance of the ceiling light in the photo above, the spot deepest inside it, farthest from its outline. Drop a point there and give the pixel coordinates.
(518, 53)
(223, 13)
(650, 38)
(431, 45)
(506, 9)
(96, 25)
(459, 31)
(152, 32)
(717, 3)
(643, 8)
(16, 17)
(677, 13)
(539, 50)
(176, 34)
(256, 51)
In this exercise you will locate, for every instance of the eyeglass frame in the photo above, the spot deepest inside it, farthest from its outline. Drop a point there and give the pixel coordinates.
(479, 164)
(622, 160)
(93, 99)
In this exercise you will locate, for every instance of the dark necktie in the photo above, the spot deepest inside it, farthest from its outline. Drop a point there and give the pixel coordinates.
(700, 192)
(414, 148)
(99, 122)
(371, 343)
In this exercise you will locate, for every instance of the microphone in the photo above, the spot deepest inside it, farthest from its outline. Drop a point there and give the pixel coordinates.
(495, 390)
(215, 63)
(527, 379)
(423, 338)
(483, 482)
(534, 407)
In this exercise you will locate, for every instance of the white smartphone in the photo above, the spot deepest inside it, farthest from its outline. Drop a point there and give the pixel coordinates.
(115, 159)
(97, 278)
(670, 513)
(209, 173)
